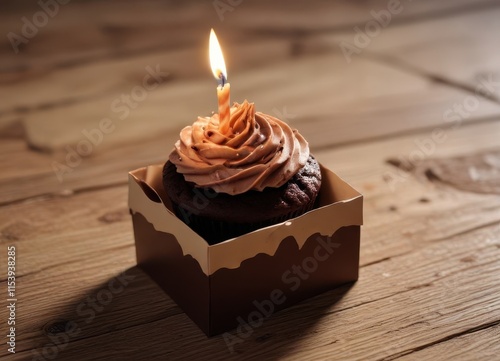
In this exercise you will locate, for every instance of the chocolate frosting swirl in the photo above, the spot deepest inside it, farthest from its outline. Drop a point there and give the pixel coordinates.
(256, 151)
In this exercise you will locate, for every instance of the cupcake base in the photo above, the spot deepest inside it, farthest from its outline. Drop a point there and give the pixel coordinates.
(218, 216)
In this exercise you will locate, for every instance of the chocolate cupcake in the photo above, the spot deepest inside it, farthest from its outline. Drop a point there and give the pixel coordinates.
(257, 173)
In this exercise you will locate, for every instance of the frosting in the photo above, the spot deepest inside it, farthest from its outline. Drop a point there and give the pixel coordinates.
(254, 152)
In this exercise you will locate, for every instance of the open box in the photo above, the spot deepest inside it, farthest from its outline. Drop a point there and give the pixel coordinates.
(247, 278)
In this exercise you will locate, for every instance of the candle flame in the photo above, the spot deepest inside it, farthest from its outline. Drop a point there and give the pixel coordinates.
(216, 58)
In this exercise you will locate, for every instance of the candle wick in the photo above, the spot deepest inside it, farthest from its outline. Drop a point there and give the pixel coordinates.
(222, 80)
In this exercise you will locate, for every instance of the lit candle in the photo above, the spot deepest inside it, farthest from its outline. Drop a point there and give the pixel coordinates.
(219, 70)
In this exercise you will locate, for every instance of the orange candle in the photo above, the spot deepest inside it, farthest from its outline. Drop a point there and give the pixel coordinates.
(219, 70)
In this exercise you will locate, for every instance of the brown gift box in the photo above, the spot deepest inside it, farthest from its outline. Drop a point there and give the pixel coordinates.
(247, 278)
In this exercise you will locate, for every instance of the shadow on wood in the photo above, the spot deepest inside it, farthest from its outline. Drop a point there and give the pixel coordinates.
(129, 314)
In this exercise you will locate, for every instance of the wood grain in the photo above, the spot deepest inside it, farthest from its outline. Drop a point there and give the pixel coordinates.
(106, 31)
(430, 255)
(456, 55)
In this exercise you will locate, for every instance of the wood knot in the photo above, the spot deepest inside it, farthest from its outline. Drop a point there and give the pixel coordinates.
(56, 327)
(477, 173)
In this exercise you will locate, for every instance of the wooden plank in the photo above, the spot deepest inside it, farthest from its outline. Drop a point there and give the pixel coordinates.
(462, 50)
(104, 29)
(480, 344)
(90, 244)
(98, 30)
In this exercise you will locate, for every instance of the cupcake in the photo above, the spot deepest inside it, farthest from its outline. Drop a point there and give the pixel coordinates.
(259, 172)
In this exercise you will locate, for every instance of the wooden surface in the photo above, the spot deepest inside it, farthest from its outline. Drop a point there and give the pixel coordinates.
(430, 257)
